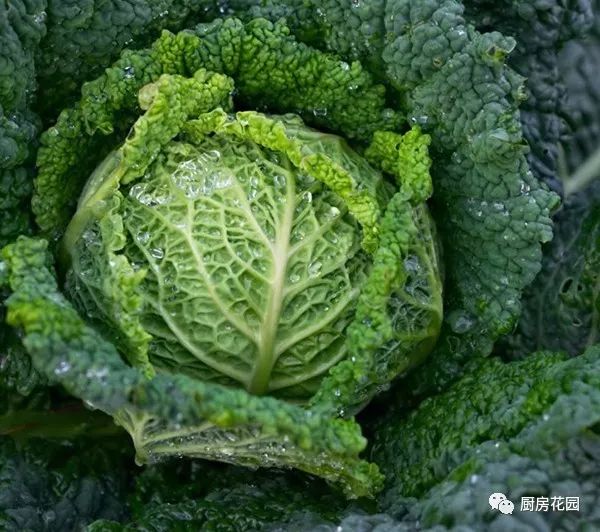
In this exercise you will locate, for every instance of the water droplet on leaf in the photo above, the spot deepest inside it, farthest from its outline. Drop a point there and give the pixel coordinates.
(62, 368)
(157, 253)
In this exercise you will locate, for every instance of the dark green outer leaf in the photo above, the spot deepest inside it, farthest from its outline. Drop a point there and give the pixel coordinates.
(535, 406)
(523, 429)
(86, 36)
(60, 486)
(199, 498)
(578, 64)
(22, 25)
(561, 309)
(540, 30)
(491, 210)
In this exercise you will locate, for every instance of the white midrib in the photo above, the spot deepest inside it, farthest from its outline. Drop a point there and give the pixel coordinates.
(266, 355)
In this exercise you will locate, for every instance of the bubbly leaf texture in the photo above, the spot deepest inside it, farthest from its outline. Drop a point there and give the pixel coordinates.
(110, 288)
(18, 377)
(534, 405)
(21, 28)
(453, 81)
(460, 501)
(398, 314)
(74, 143)
(116, 276)
(269, 67)
(22, 25)
(172, 415)
(540, 29)
(189, 496)
(524, 443)
(15, 192)
(84, 37)
(266, 250)
(323, 157)
(359, 30)
(406, 157)
(272, 70)
(170, 101)
(493, 210)
(284, 297)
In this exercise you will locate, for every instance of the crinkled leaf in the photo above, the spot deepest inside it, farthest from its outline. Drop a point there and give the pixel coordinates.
(561, 309)
(61, 485)
(173, 414)
(22, 25)
(534, 406)
(85, 37)
(540, 29)
(493, 213)
(76, 145)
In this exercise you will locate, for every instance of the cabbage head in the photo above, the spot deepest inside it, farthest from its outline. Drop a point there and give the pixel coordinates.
(233, 284)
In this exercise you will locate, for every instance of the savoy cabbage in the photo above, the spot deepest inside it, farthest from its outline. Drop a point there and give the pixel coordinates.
(338, 239)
